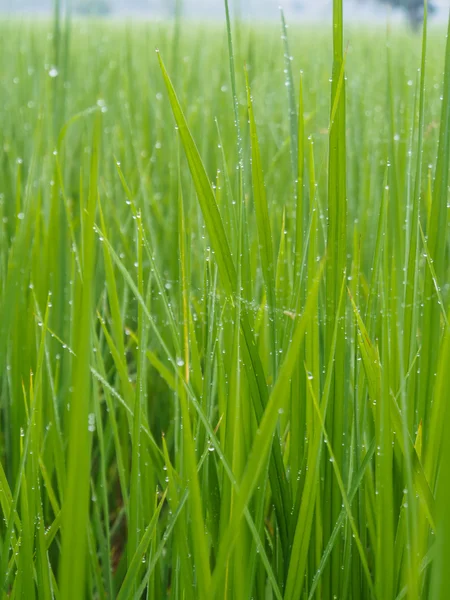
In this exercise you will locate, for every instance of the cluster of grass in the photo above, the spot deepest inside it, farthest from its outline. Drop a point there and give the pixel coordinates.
(224, 344)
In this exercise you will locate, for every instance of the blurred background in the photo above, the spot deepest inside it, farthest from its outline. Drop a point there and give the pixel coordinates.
(364, 10)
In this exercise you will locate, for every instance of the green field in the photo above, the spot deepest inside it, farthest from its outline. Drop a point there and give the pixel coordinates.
(224, 289)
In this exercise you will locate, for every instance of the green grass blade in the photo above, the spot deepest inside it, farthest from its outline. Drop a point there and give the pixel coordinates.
(76, 509)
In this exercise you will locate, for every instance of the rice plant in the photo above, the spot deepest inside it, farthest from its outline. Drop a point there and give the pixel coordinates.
(224, 300)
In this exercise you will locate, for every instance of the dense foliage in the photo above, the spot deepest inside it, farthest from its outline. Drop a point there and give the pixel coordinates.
(92, 7)
(224, 345)
(413, 8)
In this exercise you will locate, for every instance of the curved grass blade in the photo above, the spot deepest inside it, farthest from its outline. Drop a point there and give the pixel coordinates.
(263, 440)
(227, 271)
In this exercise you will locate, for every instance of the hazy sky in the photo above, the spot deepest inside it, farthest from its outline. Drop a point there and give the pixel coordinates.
(365, 9)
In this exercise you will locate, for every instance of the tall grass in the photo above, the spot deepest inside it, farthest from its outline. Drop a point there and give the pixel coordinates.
(224, 292)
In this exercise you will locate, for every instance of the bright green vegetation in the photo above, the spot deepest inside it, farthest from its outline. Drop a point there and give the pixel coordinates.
(224, 346)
